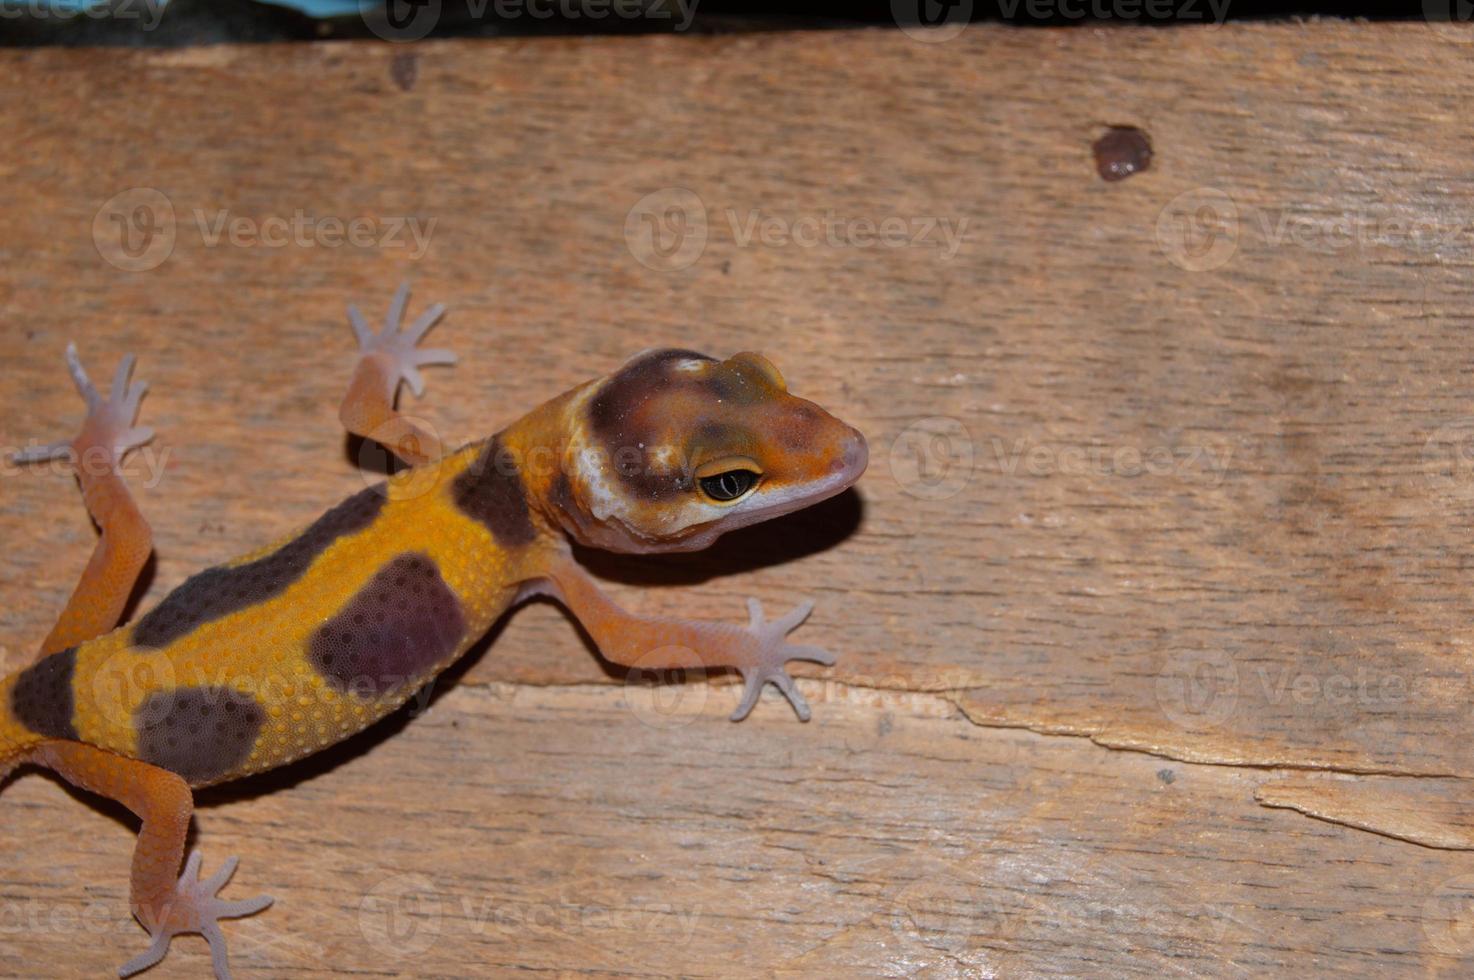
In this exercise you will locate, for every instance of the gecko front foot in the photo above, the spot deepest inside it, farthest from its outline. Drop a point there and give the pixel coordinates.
(396, 348)
(773, 651)
(194, 908)
(108, 431)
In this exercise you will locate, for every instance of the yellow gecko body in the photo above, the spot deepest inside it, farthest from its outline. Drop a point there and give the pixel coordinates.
(133, 687)
(296, 646)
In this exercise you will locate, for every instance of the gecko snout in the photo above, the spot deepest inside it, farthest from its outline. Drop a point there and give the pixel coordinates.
(853, 457)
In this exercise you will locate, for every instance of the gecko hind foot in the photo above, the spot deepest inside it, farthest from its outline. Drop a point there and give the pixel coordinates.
(397, 347)
(195, 908)
(108, 428)
(774, 651)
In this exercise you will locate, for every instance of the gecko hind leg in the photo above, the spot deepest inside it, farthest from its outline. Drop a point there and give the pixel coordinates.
(165, 902)
(96, 453)
(196, 908)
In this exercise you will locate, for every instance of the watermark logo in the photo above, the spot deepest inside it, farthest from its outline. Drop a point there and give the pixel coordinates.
(932, 458)
(945, 908)
(135, 229)
(1198, 689)
(1202, 229)
(400, 916)
(402, 20)
(378, 454)
(124, 682)
(665, 699)
(1448, 455)
(1448, 916)
(666, 230)
(1452, 20)
(1198, 230)
(931, 21)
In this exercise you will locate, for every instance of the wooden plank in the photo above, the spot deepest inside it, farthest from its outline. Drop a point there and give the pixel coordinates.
(554, 831)
(1179, 463)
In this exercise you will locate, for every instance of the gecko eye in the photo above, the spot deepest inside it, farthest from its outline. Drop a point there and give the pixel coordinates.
(728, 486)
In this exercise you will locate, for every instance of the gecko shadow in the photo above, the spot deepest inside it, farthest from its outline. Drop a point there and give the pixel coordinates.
(810, 531)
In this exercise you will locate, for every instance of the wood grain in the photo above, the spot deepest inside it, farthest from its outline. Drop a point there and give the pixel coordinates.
(1179, 464)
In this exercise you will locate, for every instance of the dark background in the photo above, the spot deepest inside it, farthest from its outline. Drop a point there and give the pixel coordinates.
(187, 22)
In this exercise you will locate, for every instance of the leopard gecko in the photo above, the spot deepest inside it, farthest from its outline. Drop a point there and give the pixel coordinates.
(296, 646)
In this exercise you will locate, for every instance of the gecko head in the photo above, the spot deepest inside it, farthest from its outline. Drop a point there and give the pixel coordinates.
(676, 448)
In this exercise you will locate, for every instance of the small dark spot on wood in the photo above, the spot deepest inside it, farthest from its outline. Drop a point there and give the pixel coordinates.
(1167, 776)
(404, 68)
(1121, 152)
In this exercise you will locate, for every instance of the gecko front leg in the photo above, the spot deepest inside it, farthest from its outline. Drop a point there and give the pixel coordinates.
(760, 651)
(96, 455)
(386, 359)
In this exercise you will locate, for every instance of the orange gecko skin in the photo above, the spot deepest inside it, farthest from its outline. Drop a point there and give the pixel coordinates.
(300, 644)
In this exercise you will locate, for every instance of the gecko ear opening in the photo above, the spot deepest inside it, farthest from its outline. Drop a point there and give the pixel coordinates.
(762, 366)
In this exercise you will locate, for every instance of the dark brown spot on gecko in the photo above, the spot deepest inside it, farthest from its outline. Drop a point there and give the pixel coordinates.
(1121, 152)
(631, 387)
(490, 491)
(218, 592)
(42, 697)
(622, 420)
(201, 733)
(411, 622)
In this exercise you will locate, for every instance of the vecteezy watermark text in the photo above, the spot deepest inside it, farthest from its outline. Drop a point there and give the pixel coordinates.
(144, 463)
(137, 230)
(1202, 229)
(839, 231)
(147, 12)
(410, 20)
(303, 230)
(934, 21)
(668, 230)
(1045, 459)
